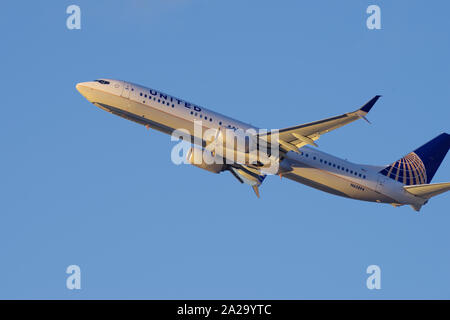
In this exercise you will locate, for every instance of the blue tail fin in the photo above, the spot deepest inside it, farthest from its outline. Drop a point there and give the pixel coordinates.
(419, 166)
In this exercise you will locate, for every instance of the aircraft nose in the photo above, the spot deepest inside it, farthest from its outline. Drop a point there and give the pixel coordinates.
(80, 86)
(83, 88)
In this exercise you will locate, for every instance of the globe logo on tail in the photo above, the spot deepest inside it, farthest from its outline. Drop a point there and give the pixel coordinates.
(409, 170)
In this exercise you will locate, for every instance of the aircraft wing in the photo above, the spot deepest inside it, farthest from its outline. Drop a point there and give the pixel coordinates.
(293, 138)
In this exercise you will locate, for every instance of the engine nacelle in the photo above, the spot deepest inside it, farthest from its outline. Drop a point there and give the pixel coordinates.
(214, 167)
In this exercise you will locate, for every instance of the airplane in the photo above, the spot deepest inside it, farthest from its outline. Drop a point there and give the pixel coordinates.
(406, 181)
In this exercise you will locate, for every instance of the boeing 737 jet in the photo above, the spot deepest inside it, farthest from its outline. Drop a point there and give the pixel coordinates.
(406, 181)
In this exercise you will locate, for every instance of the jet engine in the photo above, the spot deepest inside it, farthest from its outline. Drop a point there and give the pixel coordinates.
(242, 173)
(214, 167)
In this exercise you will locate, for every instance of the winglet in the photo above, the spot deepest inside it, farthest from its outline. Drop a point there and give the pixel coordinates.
(366, 108)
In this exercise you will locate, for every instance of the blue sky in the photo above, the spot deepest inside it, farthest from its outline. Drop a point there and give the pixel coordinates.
(80, 186)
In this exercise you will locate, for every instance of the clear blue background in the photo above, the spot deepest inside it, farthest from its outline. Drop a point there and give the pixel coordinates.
(80, 186)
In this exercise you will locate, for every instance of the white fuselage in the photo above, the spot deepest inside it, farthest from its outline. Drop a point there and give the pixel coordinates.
(311, 167)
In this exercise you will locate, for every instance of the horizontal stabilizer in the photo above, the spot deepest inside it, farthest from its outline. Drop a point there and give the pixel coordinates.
(428, 191)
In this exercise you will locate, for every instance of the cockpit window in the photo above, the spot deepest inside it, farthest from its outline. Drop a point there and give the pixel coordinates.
(102, 81)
